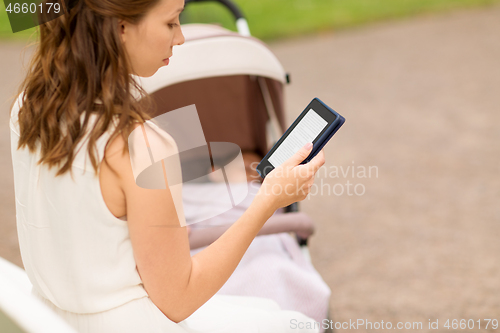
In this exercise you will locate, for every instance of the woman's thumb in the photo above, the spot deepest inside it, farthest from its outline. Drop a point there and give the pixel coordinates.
(300, 155)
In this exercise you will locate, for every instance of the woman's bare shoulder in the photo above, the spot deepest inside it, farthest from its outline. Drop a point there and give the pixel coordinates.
(116, 152)
(129, 158)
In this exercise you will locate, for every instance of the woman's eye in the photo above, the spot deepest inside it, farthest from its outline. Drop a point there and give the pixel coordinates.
(172, 25)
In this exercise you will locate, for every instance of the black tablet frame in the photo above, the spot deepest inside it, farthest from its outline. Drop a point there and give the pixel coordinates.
(334, 120)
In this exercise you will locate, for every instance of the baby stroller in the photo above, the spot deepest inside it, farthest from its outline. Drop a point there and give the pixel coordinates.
(236, 84)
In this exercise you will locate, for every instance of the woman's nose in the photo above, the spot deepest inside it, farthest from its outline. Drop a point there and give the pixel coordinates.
(180, 38)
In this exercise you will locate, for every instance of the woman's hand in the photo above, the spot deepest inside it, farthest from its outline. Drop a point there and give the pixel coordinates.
(291, 181)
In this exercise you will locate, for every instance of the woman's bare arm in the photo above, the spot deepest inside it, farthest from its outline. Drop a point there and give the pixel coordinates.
(176, 282)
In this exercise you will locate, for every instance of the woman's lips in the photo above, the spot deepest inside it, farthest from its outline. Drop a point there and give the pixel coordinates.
(166, 61)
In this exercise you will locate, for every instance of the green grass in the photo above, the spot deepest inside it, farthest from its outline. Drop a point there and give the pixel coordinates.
(6, 31)
(272, 19)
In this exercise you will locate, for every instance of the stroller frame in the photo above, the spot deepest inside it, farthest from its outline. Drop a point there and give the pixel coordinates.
(168, 86)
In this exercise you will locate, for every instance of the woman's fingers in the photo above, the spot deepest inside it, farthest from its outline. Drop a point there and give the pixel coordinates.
(313, 166)
(317, 162)
(299, 156)
(291, 181)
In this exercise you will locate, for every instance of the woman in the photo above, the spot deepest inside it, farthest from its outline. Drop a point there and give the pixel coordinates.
(105, 254)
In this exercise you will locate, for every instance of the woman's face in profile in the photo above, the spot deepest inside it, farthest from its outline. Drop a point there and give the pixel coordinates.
(149, 43)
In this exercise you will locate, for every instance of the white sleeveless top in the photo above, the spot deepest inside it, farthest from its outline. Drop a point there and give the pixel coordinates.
(76, 253)
(79, 258)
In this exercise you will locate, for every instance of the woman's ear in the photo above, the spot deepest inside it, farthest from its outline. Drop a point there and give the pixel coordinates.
(121, 29)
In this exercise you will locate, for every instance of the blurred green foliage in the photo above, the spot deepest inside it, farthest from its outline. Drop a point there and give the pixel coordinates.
(271, 19)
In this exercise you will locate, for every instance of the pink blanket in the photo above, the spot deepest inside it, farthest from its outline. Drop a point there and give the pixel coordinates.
(273, 266)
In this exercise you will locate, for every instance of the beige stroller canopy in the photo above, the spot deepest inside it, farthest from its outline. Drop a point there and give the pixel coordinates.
(231, 78)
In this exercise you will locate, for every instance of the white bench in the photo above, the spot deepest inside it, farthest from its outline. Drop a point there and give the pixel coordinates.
(19, 310)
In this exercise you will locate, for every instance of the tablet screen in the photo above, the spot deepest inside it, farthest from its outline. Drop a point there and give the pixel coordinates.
(306, 131)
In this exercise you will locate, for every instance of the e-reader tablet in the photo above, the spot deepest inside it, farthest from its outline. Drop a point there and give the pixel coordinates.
(316, 124)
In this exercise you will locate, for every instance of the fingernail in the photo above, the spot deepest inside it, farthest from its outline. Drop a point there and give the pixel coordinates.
(308, 145)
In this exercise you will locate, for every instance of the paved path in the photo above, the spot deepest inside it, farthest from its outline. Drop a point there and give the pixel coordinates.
(422, 103)
(422, 107)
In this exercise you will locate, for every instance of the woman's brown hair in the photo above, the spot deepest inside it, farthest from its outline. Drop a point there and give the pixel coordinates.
(80, 60)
